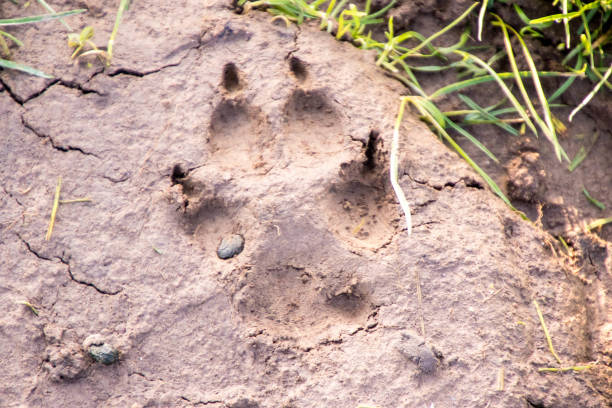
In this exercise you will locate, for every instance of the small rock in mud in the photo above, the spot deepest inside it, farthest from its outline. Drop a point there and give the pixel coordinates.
(100, 350)
(230, 246)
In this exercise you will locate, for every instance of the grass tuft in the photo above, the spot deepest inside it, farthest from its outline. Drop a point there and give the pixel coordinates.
(398, 51)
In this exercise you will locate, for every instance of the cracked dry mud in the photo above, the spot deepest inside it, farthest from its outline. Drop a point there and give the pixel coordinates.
(228, 124)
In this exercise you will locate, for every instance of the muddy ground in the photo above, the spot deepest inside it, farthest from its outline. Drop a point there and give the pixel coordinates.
(210, 123)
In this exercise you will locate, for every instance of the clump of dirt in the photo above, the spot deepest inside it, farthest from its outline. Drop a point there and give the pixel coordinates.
(230, 125)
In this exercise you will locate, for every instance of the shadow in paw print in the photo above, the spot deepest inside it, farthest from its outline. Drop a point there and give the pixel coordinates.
(298, 68)
(312, 128)
(231, 79)
(237, 137)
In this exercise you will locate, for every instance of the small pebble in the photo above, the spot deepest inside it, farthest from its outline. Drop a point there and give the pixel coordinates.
(104, 354)
(230, 246)
(99, 350)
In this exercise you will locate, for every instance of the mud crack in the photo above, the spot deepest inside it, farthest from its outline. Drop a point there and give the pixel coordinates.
(32, 250)
(12, 94)
(67, 263)
(12, 196)
(469, 182)
(56, 146)
(82, 282)
(208, 402)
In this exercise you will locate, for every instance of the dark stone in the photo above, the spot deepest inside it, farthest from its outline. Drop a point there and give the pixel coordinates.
(230, 246)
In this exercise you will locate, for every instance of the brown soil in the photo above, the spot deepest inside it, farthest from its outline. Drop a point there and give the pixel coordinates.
(211, 123)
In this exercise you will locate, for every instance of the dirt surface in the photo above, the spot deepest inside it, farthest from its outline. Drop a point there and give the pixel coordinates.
(211, 123)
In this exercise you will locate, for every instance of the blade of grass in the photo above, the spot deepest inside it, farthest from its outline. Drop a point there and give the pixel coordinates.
(562, 369)
(439, 33)
(417, 102)
(469, 102)
(548, 340)
(37, 19)
(569, 16)
(12, 38)
(24, 68)
(50, 10)
(123, 6)
(457, 86)
(76, 200)
(592, 200)
(471, 138)
(591, 94)
(503, 86)
(30, 306)
(54, 209)
(547, 127)
(566, 24)
(598, 223)
(580, 156)
(481, 14)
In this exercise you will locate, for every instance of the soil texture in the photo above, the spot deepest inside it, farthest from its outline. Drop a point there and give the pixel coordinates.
(215, 126)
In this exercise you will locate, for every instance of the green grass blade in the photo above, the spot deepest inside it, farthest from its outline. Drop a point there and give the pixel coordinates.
(593, 201)
(37, 19)
(580, 156)
(472, 139)
(445, 29)
(24, 68)
(123, 6)
(50, 10)
(469, 102)
(504, 88)
(547, 126)
(598, 223)
(417, 102)
(457, 86)
(12, 38)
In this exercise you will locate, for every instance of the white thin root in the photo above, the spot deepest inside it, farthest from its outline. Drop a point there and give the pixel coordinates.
(394, 168)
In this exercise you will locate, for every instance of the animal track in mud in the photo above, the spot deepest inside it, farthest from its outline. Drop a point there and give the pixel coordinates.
(294, 302)
(358, 208)
(205, 217)
(237, 136)
(312, 127)
(360, 213)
